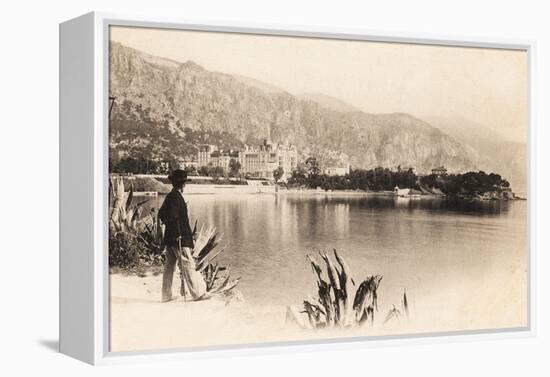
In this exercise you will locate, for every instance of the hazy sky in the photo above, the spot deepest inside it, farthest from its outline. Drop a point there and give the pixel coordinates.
(487, 86)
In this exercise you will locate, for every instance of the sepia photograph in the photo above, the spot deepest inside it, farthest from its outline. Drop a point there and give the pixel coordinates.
(269, 189)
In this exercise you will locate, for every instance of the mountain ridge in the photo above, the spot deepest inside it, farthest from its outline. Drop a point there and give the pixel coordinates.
(195, 105)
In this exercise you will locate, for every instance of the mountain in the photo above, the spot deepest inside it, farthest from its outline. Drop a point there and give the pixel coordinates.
(497, 153)
(165, 108)
(328, 102)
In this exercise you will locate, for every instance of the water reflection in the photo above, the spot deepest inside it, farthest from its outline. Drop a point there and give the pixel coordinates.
(413, 242)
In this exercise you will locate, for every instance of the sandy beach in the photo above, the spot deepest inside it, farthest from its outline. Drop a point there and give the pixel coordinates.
(140, 322)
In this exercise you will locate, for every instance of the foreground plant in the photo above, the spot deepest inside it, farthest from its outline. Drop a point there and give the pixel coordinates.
(126, 247)
(201, 277)
(338, 303)
(136, 241)
(124, 214)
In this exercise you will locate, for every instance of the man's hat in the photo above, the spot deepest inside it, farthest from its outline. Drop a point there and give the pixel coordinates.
(177, 176)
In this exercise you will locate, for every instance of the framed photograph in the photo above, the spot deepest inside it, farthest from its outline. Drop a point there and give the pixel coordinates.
(229, 188)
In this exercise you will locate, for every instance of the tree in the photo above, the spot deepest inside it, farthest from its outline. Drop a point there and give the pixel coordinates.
(203, 170)
(114, 159)
(191, 170)
(135, 166)
(216, 172)
(298, 177)
(234, 167)
(313, 168)
(278, 173)
(173, 164)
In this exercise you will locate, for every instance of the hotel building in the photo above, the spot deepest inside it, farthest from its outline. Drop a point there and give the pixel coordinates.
(259, 162)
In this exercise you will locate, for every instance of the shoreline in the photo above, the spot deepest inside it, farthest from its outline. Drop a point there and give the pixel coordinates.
(147, 185)
(266, 190)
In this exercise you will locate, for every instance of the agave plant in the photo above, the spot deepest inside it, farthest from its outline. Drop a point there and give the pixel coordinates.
(337, 305)
(124, 215)
(151, 236)
(126, 248)
(201, 277)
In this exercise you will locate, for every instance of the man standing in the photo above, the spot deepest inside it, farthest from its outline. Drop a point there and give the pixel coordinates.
(177, 233)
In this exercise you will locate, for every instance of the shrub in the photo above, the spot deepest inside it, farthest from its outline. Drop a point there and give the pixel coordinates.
(124, 250)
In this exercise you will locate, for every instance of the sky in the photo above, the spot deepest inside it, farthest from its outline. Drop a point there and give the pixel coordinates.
(486, 86)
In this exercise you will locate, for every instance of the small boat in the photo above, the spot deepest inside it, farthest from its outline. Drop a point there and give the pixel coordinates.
(401, 192)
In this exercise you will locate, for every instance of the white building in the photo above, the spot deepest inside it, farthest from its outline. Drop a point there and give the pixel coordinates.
(263, 160)
(183, 164)
(204, 154)
(259, 162)
(337, 170)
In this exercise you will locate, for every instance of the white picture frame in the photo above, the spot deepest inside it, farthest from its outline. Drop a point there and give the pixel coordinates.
(84, 105)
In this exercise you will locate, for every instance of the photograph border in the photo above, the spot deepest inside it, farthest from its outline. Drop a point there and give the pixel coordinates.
(102, 23)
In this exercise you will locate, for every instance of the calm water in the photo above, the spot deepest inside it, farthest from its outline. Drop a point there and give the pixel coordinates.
(426, 246)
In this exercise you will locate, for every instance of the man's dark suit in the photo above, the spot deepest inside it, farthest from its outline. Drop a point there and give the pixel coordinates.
(173, 214)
